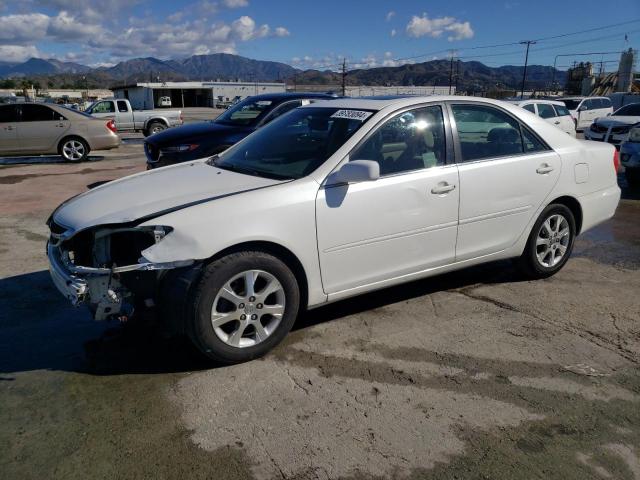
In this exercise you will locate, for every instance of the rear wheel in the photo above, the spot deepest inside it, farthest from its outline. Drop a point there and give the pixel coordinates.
(550, 242)
(73, 149)
(243, 306)
(155, 127)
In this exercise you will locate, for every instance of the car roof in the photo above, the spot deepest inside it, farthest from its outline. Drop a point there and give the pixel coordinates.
(379, 103)
(291, 95)
(536, 100)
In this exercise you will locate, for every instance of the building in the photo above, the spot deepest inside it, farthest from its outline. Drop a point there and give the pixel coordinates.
(191, 94)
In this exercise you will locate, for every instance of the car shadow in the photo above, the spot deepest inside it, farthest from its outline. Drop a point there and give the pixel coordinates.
(43, 160)
(39, 330)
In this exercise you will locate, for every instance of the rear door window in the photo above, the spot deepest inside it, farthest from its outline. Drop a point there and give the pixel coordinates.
(530, 107)
(38, 113)
(606, 103)
(487, 132)
(561, 110)
(122, 106)
(546, 111)
(8, 114)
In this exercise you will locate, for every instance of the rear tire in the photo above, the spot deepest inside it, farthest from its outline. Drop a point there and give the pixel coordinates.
(243, 306)
(74, 149)
(550, 242)
(154, 127)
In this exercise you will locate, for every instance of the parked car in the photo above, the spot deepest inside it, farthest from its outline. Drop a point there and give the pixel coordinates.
(127, 119)
(630, 156)
(164, 102)
(48, 129)
(614, 128)
(331, 200)
(584, 110)
(198, 140)
(553, 112)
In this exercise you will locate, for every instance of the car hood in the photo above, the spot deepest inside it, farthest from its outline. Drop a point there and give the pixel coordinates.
(193, 131)
(617, 120)
(145, 195)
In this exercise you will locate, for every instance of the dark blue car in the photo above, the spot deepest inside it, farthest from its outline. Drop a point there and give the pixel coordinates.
(204, 139)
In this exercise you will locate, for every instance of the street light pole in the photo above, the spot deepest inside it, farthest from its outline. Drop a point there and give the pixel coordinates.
(526, 60)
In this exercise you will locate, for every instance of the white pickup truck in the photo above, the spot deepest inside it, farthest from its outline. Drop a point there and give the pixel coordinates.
(127, 119)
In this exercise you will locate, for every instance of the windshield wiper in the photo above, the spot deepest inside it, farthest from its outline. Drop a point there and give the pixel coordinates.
(246, 171)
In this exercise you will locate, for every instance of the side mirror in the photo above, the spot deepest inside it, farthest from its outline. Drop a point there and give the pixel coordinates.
(356, 171)
(609, 114)
(582, 108)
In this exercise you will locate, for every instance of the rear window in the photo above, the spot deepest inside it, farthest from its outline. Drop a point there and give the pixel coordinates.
(530, 107)
(571, 103)
(561, 110)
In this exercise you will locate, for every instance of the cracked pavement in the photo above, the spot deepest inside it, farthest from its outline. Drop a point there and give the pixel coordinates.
(473, 374)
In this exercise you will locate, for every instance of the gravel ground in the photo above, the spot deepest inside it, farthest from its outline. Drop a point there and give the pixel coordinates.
(474, 374)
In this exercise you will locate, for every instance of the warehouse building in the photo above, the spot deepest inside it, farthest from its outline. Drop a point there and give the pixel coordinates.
(191, 94)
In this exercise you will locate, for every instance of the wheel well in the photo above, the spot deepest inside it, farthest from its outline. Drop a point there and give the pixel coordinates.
(69, 137)
(156, 120)
(573, 205)
(280, 252)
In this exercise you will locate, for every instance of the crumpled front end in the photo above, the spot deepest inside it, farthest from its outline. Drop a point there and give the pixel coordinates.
(103, 267)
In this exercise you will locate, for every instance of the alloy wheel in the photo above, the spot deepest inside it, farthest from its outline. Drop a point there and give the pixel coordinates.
(248, 308)
(73, 150)
(553, 240)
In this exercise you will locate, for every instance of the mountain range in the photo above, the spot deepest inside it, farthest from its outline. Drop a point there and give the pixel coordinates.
(222, 66)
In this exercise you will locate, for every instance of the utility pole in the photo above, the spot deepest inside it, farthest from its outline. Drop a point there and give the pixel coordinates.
(451, 72)
(457, 76)
(344, 77)
(528, 43)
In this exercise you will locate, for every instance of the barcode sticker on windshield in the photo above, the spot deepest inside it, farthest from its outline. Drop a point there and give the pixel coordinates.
(352, 114)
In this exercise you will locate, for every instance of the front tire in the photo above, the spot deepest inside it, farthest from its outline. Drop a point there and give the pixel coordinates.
(74, 149)
(243, 306)
(633, 176)
(550, 242)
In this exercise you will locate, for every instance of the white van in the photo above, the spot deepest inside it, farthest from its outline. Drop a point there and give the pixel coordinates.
(164, 102)
(553, 112)
(585, 110)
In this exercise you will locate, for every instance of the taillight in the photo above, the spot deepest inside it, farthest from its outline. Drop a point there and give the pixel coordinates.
(616, 160)
(111, 125)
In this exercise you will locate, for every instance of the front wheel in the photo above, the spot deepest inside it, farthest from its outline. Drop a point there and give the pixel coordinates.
(243, 306)
(633, 176)
(550, 242)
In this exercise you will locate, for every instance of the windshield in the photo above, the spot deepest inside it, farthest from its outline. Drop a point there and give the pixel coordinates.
(571, 104)
(632, 110)
(293, 145)
(245, 113)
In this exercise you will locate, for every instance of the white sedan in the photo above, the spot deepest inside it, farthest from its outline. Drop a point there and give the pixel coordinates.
(329, 201)
(553, 112)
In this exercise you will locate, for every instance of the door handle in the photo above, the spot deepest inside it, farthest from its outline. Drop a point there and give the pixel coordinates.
(442, 188)
(61, 125)
(8, 127)
(556, 123)
(544, 169)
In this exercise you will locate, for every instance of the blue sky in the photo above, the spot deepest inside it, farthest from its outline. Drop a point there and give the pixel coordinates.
(316, 34)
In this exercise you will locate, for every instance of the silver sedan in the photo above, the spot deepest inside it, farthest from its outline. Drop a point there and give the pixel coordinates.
(44, 129)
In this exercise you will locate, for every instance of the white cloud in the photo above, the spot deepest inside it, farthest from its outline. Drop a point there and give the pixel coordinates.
(236, 3)
(393, 32)
(18, 29)
(390, 15)
(178, 35)
(17, 53)
(435, 27)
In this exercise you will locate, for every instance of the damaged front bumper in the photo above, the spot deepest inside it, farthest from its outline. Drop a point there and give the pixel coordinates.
(107, 291)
